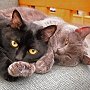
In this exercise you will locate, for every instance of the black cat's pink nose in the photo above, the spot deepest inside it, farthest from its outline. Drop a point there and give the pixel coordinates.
(18, 58)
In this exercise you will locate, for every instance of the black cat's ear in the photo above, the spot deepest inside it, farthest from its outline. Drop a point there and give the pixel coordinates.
(48, 32)
(16, 21)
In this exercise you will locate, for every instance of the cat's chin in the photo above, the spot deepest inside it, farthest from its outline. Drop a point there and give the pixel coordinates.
(34, 60)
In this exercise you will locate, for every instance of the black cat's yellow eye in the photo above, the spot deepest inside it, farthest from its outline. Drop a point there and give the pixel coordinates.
(33, 51)
(14, 44)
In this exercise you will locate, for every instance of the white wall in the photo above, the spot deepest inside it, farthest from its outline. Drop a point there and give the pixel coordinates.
(8, 3)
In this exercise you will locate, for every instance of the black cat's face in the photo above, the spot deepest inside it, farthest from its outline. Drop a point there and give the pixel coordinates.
(25, 42)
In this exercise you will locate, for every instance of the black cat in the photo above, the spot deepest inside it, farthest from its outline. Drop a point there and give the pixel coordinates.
(20, 40)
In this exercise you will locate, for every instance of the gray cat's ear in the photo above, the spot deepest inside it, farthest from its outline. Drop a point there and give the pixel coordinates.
(48, 32)
(83, 31)
(86, 60)
(16, 21)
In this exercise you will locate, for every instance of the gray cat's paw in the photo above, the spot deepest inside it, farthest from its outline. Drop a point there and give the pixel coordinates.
(21, 68)
(43, 67)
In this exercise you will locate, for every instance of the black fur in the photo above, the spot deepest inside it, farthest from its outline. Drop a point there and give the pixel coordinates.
(27, 36)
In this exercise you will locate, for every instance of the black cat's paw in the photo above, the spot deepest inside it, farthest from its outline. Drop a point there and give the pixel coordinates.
(21, 68)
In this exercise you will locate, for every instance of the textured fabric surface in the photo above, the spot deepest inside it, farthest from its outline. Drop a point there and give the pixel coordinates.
(59, 78)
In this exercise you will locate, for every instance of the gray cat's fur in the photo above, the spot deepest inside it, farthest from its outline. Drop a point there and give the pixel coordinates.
(66, 47)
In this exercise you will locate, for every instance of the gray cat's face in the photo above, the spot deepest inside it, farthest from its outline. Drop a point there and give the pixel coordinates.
(26, 42)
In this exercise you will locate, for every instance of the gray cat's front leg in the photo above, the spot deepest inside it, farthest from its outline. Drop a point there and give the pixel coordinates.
(45, 63)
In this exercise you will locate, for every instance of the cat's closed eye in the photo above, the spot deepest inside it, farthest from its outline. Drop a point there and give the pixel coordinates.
(66, 41)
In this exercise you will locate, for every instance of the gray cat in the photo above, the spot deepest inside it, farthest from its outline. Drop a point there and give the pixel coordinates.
(66, 47)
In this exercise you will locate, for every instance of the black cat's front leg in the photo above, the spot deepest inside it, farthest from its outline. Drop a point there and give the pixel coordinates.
(4, 64)
(8, 77)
